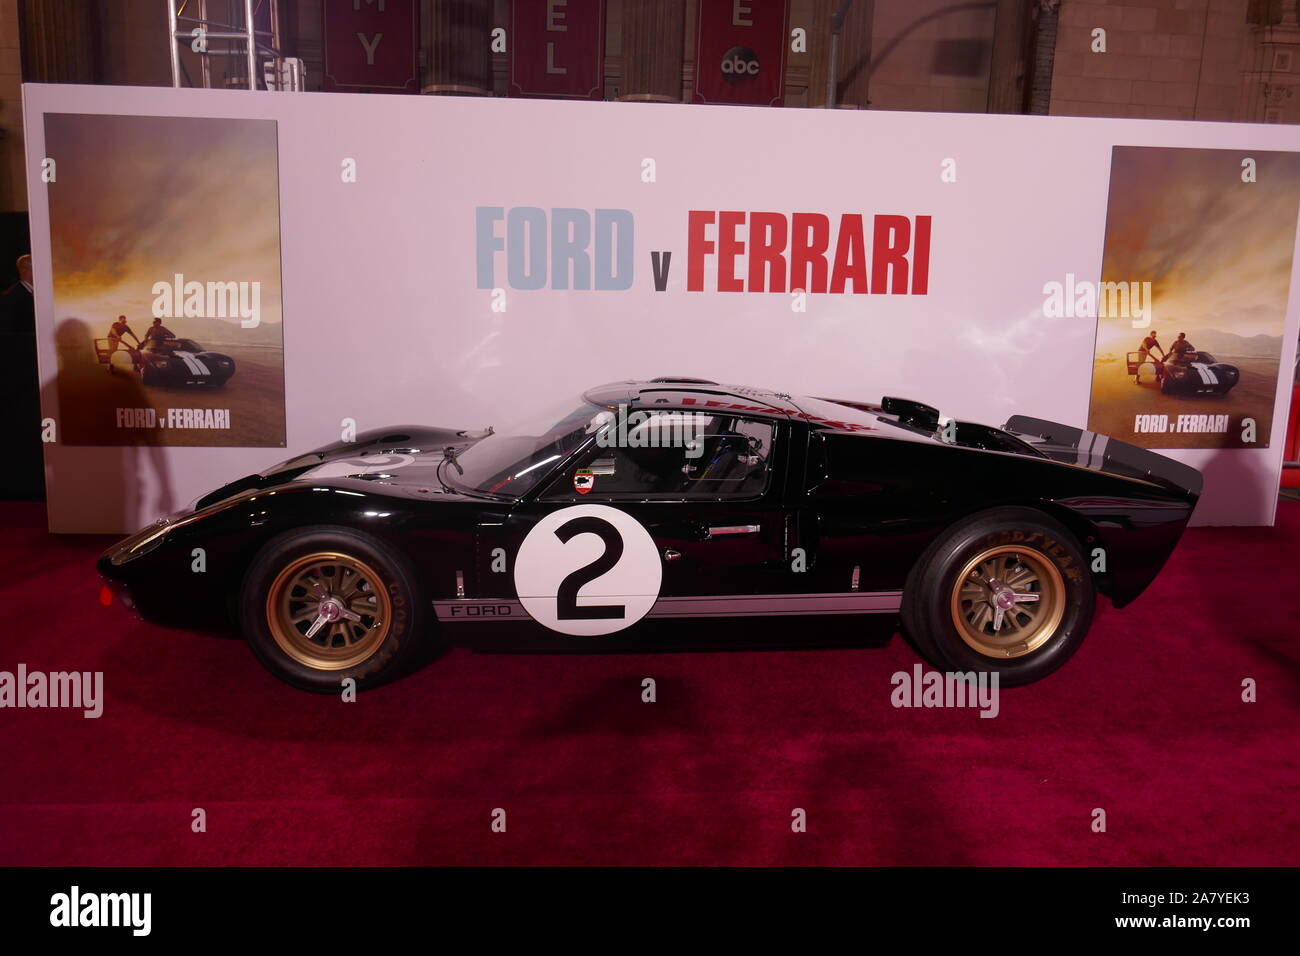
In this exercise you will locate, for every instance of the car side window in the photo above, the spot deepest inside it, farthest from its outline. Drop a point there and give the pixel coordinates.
(844, 464)
(674, 455)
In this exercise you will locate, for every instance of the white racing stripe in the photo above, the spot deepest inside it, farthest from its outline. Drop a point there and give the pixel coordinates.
(1098, 453)
(193, 363)
(1091, 452)
(1207, 374)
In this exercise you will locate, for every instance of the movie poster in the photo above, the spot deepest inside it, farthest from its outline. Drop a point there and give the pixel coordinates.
(1192, 304)
(165, 247)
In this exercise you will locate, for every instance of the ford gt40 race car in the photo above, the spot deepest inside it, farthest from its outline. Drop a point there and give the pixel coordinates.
(671, 498)
(184, 362)
(1203, 375)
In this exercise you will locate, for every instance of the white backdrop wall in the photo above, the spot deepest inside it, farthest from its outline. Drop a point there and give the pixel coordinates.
(384, 322)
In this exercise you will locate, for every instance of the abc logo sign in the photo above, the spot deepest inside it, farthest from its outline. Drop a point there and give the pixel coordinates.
(739, 65)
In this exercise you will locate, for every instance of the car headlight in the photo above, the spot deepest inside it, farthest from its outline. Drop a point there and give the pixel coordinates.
(142, 542)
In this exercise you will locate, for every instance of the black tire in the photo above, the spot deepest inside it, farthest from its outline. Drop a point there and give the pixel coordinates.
(393, 651)
(1030, 539)
(149, 375)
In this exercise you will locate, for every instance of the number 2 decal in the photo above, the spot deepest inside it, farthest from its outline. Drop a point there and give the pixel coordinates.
(588, 570)
(566, 598)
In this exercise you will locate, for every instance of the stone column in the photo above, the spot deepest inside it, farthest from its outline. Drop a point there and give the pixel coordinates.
(818, 26)
(654, 32)
(854, 62)
(1008, 69)
(60, 40)
(457, 53)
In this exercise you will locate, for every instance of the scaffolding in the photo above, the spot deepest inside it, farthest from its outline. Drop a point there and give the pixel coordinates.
(249, 37)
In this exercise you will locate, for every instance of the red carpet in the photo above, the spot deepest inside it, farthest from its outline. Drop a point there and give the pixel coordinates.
(1146, 722)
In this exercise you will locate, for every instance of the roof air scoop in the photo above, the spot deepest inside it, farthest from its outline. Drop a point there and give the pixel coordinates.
(917, 414)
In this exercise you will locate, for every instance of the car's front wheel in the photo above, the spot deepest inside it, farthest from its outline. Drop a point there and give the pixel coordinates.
(323, 605)
(1007, 591)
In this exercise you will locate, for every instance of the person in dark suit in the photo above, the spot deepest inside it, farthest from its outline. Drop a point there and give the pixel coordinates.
(20, 389)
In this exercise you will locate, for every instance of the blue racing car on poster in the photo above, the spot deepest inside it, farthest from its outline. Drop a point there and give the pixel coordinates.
(670, 498)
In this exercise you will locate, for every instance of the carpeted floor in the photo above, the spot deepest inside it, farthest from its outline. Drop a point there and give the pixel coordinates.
(1146, 722)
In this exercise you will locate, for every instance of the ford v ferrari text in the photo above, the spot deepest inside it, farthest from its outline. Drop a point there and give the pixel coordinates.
(671, 498)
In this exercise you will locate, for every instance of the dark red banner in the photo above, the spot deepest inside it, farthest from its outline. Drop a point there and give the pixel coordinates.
(557, 49)
(371, 45)
(740, 51)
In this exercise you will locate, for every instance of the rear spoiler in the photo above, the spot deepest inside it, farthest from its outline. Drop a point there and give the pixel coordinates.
(1102, 453)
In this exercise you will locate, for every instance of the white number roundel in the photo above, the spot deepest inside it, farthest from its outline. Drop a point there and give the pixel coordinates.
(588, 570)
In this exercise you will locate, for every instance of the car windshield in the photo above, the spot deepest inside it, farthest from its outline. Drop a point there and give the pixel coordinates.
(514, 459)
(189, 345)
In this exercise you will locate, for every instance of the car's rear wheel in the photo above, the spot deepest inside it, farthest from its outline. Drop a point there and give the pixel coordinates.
(324, 605)
(1006, 591)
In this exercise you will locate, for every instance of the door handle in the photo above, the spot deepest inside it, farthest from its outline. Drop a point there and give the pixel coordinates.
(671, 555)
(733, 529)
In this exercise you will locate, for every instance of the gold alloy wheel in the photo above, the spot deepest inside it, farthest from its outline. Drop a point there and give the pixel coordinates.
(1008, 601)
(328, 610)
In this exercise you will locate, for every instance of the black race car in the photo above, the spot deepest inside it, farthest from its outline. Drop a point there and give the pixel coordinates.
(184, 362)
(1201, 374)
(672, 498)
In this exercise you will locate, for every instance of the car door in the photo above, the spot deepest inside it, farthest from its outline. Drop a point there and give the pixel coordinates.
(679, 529)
